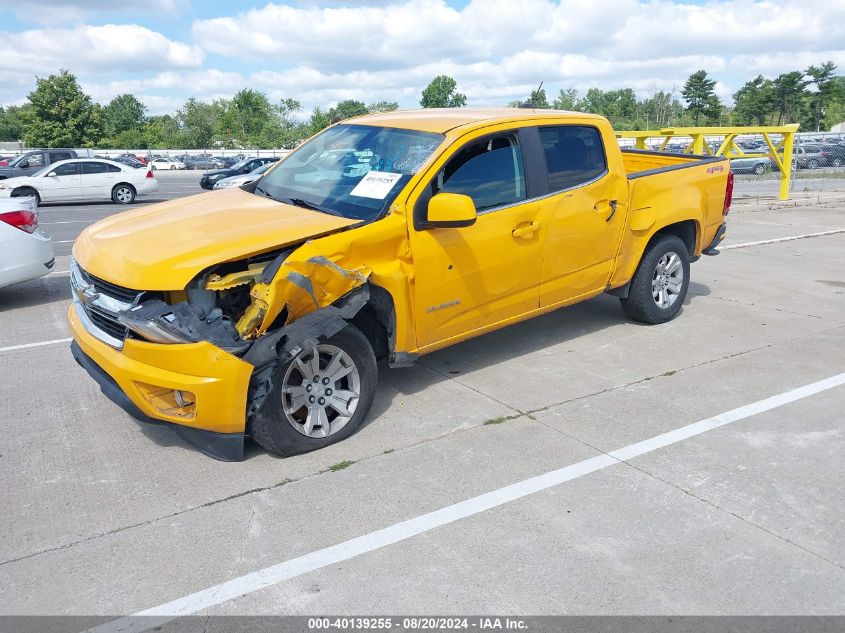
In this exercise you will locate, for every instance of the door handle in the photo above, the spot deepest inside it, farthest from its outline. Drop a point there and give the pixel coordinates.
(611, 203)
(527, 230)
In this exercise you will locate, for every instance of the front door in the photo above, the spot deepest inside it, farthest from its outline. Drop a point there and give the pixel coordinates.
(62, 182)
(471, 277)
(586, 213)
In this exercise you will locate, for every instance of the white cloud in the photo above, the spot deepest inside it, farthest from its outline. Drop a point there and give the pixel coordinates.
(322, 51)
(127, 48)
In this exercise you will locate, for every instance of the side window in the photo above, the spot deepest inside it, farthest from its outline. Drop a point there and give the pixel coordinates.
(68, 169)
(112, 168)
(36, 160)
(489, 171)
(574, 155)
(94, 168)
(57, 156)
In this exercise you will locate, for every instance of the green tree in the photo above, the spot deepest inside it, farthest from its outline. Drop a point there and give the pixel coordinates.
(822, 78)
(567, 99)
(383, 106)
(440, 93)
(660, 108)
(320, 119)
(162, 132)
(198, 122)
(61, 115)
(538, 98)
(701, 99)
(248, 115)
(12, 123)
(835, 111)
(123, 113)
(790, 91)
(347, 109)
(754, 102)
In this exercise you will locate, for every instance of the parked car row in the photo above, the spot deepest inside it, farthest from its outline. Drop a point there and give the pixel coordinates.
(81, 179)
(240, 168)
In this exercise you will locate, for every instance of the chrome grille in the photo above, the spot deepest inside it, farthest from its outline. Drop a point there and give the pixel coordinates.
(98, 302)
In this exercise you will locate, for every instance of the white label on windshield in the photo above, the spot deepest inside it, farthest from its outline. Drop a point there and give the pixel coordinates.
(376, 184)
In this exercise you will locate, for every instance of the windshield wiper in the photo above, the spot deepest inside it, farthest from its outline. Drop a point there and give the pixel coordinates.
(299, 202)
(263, 191)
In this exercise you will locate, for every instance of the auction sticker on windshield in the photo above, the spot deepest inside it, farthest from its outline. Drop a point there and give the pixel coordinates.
(376, 184)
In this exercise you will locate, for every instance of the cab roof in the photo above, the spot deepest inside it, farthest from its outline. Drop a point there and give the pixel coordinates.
(444, 119)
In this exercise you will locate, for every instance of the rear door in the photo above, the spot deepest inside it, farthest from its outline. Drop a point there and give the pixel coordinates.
(584, 213)
(98, 180)
(62, 182)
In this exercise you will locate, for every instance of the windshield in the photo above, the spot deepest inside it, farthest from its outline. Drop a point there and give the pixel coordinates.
(41, 171)
(354, 171)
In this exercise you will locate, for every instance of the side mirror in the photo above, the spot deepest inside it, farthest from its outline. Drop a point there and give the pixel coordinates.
(451, 210)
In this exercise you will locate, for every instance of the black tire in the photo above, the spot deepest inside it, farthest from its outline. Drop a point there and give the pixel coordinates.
(23, 192)
(837, 162)
(812, 164)
(640, 304)
(270, 426)
(760, 169)
(123, 193)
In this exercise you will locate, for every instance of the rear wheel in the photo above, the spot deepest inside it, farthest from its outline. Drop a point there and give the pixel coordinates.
(320, 397)
(123, 194)
(172, 167)
(760, 169)
(23, 192)
(660, 284)
(812, 164)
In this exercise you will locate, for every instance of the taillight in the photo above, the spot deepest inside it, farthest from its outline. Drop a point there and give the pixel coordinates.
(150, 173)
(729, 193)
(23, 220)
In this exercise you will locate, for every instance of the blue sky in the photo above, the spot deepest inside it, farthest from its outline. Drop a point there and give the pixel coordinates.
(322, 51)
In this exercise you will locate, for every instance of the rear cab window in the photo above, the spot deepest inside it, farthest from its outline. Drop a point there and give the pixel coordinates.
(574, 155)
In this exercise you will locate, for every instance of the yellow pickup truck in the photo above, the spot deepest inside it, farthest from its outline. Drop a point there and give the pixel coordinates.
(263, 310)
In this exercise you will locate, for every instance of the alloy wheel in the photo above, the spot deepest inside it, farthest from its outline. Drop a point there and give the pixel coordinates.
(668, 280)
(320, 391)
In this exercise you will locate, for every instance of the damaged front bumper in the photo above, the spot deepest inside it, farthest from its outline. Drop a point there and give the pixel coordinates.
(198, 387)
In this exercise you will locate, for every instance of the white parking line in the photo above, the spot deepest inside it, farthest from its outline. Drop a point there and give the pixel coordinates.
(263, 578)
(781, 239)
(12, 348)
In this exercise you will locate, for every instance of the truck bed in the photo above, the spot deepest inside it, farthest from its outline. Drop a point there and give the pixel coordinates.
(638, 162)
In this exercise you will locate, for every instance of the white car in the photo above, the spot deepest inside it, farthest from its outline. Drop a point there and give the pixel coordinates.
(26, 251)
(243, 179)
(82, 179)
(166, 163)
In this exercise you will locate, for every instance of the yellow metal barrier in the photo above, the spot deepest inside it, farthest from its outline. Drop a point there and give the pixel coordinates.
(780, 153)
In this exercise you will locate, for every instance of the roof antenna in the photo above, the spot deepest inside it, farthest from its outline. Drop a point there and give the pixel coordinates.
(528, 104)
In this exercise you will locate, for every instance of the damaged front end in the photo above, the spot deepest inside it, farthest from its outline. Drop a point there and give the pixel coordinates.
(264, 312)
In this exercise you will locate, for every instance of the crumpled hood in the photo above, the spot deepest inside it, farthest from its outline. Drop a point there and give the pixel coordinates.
(163, 246)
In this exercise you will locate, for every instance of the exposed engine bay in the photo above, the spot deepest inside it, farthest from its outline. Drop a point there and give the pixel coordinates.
(232, 305)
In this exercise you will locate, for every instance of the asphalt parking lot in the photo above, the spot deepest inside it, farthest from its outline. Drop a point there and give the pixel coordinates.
(554, 467)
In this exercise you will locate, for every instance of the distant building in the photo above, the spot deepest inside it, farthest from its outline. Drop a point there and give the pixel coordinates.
(839, 127)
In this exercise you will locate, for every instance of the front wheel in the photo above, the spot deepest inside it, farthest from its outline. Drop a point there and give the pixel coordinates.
(123, 194)
(812, 164)
(760, 169)
(660, 284)
(319, 397)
